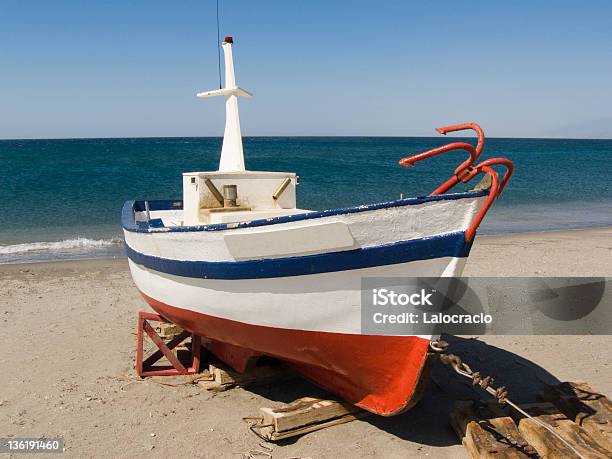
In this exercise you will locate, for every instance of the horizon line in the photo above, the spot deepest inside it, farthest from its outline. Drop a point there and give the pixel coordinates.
(302, 137)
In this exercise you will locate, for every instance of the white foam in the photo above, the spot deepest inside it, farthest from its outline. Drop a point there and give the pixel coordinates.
(79, 243)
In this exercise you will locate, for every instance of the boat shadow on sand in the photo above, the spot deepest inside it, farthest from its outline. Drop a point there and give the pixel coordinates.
(428, 422)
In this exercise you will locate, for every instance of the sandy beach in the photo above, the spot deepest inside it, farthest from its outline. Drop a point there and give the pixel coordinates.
(69, 339)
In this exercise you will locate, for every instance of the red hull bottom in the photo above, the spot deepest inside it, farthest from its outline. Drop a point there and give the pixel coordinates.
(381, 374)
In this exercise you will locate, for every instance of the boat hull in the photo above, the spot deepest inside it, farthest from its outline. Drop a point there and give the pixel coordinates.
(305, 308)
(382, 374)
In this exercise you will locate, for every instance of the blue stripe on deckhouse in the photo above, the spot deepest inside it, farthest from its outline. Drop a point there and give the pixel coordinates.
(446, 245)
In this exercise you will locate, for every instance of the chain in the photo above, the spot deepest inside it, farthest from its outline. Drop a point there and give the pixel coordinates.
(500, 393)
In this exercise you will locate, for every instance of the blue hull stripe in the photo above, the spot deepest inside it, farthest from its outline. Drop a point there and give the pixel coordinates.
(446, 245)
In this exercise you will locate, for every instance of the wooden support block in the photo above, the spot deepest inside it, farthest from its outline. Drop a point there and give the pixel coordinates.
(587, 408)
(222, 378)
(305, 415)
(547, 445)
(489, 430)
(304, 411)
(486, 434)
(167, 329)
(224, 375)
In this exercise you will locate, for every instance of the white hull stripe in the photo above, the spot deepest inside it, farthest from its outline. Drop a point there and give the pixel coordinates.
(327, 302)
(426, 248)
(129, 207)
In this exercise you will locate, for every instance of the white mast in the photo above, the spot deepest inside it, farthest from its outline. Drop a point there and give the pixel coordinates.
(232, 156)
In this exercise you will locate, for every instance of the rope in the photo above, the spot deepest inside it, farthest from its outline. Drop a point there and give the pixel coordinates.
(500, 393)
(255, 425)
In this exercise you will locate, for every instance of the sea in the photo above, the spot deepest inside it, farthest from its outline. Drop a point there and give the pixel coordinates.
(61, 199)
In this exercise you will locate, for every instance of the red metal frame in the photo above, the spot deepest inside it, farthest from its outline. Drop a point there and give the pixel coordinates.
(145, 367)
(467, 170)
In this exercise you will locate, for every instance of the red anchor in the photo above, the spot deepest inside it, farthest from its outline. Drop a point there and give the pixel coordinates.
(467, 170)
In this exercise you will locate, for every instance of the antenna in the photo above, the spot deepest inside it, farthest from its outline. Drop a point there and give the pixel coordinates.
(218, 46)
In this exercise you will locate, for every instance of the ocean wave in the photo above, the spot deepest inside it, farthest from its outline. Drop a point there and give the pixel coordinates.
(78, 243)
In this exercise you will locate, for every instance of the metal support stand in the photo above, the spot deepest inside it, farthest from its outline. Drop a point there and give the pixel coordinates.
(146, 368)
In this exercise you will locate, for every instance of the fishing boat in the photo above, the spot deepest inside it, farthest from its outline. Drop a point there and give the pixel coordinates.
(238, 263)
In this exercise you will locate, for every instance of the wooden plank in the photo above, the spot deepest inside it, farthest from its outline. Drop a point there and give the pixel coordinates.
(547, 445)
(276, 436)
(224, 378)
(587, 408)
(485, 434)
(305, 411)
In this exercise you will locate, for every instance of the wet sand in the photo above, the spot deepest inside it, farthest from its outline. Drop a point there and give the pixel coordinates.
(68, 330)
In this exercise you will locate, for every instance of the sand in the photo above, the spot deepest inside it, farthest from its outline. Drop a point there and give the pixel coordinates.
(68, 334)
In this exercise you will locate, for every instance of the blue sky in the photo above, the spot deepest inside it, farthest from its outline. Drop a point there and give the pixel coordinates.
(400, 68)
